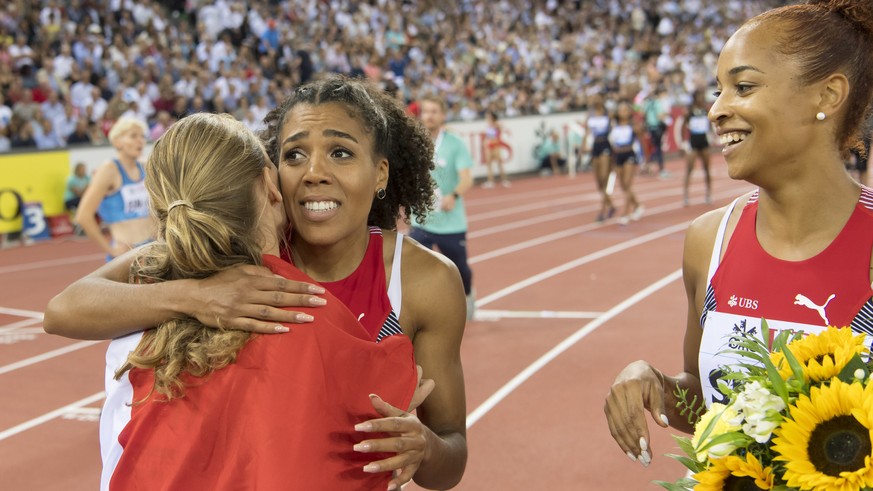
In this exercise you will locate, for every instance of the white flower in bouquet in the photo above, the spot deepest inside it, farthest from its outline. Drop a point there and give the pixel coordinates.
(724, 417)
(759, 411)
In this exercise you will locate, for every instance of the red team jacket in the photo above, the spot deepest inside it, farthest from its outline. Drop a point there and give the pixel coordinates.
(281, 417)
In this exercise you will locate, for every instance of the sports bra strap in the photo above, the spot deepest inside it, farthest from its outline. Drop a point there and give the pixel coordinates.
(719, 240)
(395, 290)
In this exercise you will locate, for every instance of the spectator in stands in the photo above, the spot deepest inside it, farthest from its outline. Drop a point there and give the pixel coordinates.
(80, 134)
(52, 107)
(45, 136)
(24, 136)
(476, 62)
(25, 108)
(5, 141)
(5, 111)
(65, 122)
(96, 134)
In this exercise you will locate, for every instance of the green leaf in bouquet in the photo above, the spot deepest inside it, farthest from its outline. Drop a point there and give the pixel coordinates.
(685, 445)
(735, 438)
(724, 388)
(847, 374)
(673, 486)
(690, 463)
(691, 410)
(779, 386)
(780, 344)
(745, 354)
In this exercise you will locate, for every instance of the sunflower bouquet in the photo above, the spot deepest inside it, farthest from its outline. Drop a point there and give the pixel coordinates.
(797, 418)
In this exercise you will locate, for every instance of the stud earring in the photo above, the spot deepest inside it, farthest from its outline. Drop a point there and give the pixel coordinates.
(820, 116)
(380, 193)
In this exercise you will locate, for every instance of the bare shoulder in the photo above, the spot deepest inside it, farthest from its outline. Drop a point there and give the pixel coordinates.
(429, 266)
(433, 294)
(701, 235)
(106, 174)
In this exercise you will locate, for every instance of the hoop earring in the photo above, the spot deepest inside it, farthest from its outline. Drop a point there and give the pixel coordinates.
(820, 116)
(380, 193)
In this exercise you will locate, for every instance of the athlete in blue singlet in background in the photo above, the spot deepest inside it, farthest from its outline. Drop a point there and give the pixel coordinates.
(117, 194)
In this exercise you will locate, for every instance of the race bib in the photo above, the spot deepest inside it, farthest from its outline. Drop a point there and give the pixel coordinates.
(723, 332)
(136, 199)
(698, 124)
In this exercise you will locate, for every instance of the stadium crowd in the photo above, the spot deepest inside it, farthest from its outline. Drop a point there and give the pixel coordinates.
(69, 69)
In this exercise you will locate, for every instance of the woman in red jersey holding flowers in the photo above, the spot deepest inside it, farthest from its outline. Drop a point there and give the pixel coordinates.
(794, 85)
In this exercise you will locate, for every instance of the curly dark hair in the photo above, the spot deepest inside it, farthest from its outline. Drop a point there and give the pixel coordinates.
(397, 137)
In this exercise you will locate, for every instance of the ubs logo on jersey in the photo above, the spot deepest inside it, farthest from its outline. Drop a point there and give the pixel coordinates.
(745, 303)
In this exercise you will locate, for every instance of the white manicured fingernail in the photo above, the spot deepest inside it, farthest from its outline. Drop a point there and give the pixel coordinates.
(314, 289)
(645, 458)
(632, 457)
(665, 420)
(281, 329)
(304, 318)
(643, 444)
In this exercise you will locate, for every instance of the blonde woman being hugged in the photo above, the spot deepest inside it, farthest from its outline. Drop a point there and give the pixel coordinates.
(191, 407)
(117, 194)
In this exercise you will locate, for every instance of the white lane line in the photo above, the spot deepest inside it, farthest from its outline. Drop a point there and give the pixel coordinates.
(570, 232)
(51, 415)
(46, 356)
(515, 195)
(661, 188)
(15, 326)
(21, 313)
(23, 330)
(85, 414)
(51, 263)
(566, 344)
(493, 315)
(486, 198)
(579, 262)
(580, 210)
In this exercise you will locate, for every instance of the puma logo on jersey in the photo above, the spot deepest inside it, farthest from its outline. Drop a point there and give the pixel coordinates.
(801, 299)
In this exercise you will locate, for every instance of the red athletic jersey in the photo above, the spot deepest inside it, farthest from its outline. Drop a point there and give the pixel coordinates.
(365, 291)
(830, 289)
(834, 284)
(281, 418)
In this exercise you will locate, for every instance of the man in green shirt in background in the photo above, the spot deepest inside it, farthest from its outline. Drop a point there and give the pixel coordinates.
(446, 226)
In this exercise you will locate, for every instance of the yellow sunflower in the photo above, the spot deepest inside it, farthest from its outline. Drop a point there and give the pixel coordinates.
(822, 355)
(734, 473)
(827, 442)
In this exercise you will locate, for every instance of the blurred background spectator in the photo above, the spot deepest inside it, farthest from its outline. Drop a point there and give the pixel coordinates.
(62, 61)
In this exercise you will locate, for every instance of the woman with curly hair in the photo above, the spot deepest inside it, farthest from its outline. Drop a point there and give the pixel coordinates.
(193, 407)
(350, 159)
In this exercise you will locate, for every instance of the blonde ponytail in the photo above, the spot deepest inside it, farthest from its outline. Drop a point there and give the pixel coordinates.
(200, 177)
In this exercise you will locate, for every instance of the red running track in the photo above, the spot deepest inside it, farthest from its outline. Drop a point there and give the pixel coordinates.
(564, 304)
